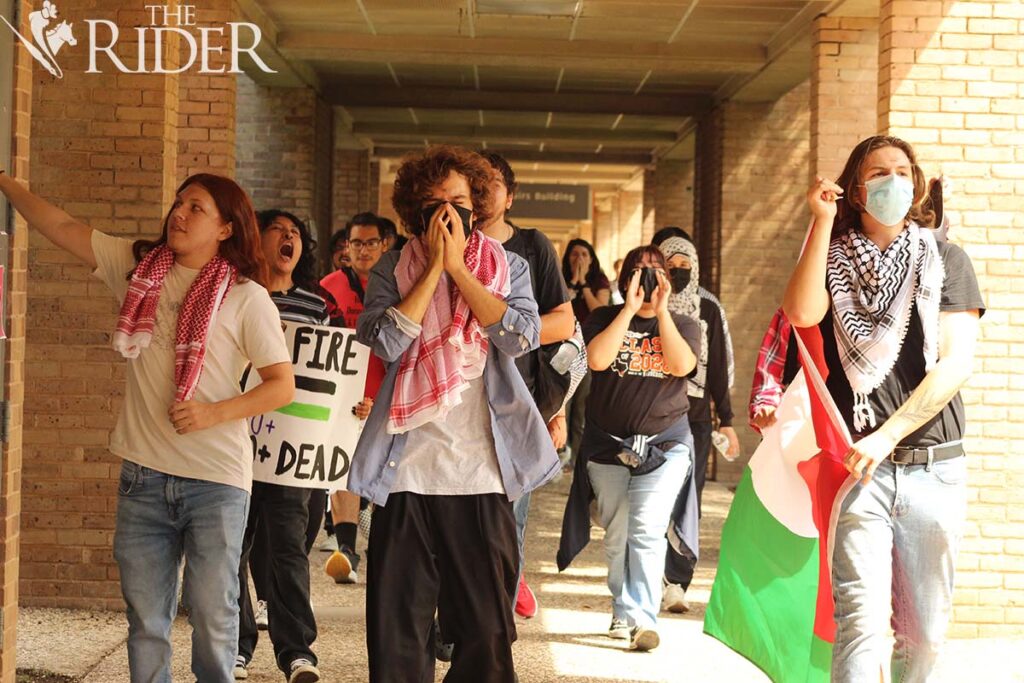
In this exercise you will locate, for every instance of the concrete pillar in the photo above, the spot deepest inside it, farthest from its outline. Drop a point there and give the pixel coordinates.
(950, 79)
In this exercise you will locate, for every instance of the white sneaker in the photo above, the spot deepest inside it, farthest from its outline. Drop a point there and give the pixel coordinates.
(262, 622)
(303, 671)
(241, 671)
(329, 545)
(673, 598)
(643, 639)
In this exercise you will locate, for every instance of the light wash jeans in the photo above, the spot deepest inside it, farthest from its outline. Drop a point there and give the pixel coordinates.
(635, 513)
(160, 519)
(895, 550)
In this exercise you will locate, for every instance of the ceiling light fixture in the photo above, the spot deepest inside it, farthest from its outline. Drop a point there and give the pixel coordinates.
(531, 8)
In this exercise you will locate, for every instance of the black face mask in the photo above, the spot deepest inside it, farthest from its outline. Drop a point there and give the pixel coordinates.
(649, 281)
(427, 212)
(680, 278)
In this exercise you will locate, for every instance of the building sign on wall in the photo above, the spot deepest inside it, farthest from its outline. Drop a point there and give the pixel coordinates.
(553, 201)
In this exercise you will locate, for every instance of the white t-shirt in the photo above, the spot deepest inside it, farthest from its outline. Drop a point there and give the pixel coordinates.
(247, 329)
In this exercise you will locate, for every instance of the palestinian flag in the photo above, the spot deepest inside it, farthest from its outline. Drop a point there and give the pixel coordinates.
(772, 597)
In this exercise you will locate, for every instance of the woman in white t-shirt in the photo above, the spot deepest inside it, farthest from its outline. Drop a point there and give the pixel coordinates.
(194, 314)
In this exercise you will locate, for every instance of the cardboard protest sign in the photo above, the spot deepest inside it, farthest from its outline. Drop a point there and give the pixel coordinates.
(309, 442)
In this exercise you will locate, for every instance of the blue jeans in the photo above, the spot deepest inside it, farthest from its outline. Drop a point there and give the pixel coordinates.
(895, 550)
(160, 519)
(635, 512)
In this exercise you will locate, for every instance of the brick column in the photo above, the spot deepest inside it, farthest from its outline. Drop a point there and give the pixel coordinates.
(103, 147)
(206, 114)
(950, 79)
(352, 185)
(844, 70)
(14, 369)
(764, 157)
(649, 216)
(283, 144)
(673, 194)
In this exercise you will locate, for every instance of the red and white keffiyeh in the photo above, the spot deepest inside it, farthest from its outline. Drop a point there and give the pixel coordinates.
(198, 311)
(452, 347)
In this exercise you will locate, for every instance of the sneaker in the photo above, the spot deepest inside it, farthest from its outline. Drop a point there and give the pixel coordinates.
(241, 670)
(341, 566)
(330, 544)
(262, 621)
(442, 650)
(619, 630)
(526, 601)
(673, 598)
(303, 671)
(643, 639)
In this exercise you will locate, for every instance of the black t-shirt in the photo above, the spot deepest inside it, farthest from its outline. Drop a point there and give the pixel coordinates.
(716, 385)
(633, 396)
(546, 278)
(959, 293)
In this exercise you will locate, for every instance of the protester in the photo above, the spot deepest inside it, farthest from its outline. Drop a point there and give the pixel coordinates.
(637, 446)
(898, 312)
(557, 324)
(338, 248)
(276, 545)
(194, 313)
(711, 380)
(590, 290)
(346, 291)
(453, 437)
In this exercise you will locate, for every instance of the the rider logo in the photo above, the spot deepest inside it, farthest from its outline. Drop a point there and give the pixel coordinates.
(47, 37)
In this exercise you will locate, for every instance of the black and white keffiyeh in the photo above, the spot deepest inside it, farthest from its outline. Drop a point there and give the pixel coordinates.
(872, 294)
(687, 302)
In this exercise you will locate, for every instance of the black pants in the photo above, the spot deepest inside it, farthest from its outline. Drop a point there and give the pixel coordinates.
(454, 554)
(678, 569)
(259, 555)
(317, 516)
(576, 415)
(281, 513)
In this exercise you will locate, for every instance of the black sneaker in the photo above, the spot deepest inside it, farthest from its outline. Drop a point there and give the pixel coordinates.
(442, 650)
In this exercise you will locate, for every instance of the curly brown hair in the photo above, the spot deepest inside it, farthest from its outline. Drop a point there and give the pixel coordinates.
(849, 209)
(420, 173)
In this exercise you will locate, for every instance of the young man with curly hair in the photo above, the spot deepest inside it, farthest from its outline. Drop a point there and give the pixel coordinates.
(453, 437)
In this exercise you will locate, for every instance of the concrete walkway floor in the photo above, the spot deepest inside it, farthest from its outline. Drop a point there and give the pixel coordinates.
(565, 642)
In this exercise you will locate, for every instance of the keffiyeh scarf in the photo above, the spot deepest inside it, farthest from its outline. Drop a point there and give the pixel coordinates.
(687, 302)
(872, 293)
(452, 347)
(195, 320)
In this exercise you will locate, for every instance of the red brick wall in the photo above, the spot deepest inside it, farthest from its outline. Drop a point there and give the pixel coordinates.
(353, 190)
(673, 194)
(707, 207)
(765, 156)
(951, 81)
(103, 147)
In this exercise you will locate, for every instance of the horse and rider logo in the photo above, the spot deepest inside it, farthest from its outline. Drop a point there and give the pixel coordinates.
(46, 40)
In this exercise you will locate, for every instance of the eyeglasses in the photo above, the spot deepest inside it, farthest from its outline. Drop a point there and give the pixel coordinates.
(357, 245)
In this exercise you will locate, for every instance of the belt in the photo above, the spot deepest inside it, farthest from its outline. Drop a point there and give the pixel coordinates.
(909, 455)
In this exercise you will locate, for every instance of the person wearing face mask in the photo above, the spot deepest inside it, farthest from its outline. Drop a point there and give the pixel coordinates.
(711, 381)
(277, 540)
(898, 314)
(637, 446)
(454, 436)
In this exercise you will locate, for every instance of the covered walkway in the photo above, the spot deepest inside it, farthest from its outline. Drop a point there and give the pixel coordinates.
(565, 642)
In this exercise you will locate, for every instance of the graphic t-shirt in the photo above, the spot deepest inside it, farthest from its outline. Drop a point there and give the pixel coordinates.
(634, 395)
(247, 329)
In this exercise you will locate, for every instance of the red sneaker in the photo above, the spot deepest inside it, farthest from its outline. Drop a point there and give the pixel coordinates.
(526, 602)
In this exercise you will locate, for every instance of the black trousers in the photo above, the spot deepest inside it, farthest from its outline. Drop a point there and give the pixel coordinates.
(280, 514)
(259, 556)
(678, 569)
(457, 555)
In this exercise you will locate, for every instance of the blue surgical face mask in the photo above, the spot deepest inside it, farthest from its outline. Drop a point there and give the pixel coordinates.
(889, 198)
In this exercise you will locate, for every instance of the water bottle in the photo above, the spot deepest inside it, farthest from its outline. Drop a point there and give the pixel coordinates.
(721, 443)
(563, 359)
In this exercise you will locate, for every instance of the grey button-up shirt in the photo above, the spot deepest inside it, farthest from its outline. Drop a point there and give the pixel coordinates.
(526, 456)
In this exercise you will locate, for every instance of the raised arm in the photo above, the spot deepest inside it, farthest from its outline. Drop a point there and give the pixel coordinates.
(806, 299)
(55, 224)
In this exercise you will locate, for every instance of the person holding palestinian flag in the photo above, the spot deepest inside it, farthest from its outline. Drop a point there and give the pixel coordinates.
(898, 314)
